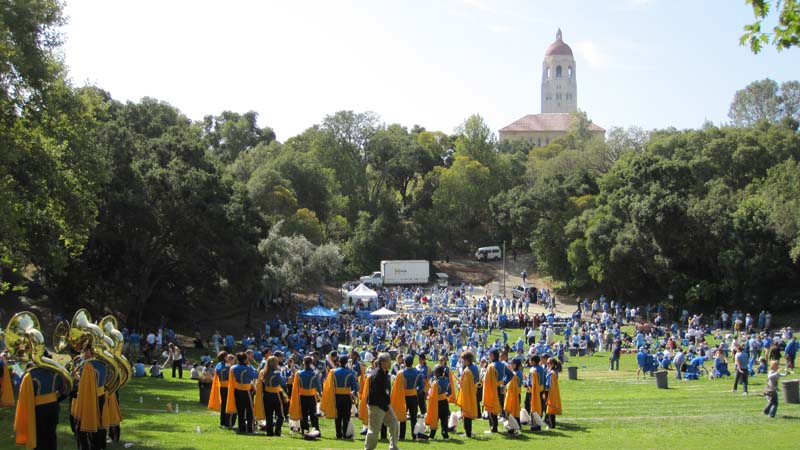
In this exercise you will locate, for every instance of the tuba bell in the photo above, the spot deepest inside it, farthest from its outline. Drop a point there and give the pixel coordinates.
(109, 326)
(26, 343)
(81, 332)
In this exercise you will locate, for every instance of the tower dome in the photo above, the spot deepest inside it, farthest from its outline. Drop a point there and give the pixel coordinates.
(558, 47)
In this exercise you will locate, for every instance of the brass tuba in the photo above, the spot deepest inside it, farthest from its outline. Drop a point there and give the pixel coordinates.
(26, 343)
(109, 326)
(80, 332)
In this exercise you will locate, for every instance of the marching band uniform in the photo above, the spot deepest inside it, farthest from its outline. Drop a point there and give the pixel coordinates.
(88, 407)
(221, 376)
(553, 396)
(492, 391)
(346, 385)
(272, 385)
(467, 397)
(37, 410)
(426, 385)
(405, 397)
(241, 380)
(6, 391)
(439, 406)
(513, 386)
(303, 403)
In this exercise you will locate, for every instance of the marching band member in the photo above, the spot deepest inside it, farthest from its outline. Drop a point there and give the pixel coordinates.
(303, 403)
(513, 386)
(405, 395)
(552, 393)
(218, 401)
(467, 397)
(423, 368)
(242, 376)
(6, 391)
(493, 388)
(533, 399)
(89, 404)
(37, 410)
(439, 405)
(345, 387)
(273, 384)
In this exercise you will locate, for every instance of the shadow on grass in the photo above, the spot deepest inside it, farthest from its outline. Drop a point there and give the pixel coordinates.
(572, 427)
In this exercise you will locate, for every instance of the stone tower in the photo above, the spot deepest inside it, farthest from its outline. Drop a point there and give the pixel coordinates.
(559, 86)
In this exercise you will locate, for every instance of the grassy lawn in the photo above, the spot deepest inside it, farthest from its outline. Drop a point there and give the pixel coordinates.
(602, 410)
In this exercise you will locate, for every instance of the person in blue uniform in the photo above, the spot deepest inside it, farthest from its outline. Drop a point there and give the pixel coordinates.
(500, 372)
(222, 369)
(425, 371)
(41, 390)
(273, 384)
(89, 432)
(346, 387)
(413, 388)
(243, 376)
(310, 388)
(443, 390)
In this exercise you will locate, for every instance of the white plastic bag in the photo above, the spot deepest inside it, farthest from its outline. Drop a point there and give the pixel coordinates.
(419, 428)
(350, 433)
(294, 425)
(452, 423)
(511, 424)
(354, 411)
(524, 417)
(537, 420)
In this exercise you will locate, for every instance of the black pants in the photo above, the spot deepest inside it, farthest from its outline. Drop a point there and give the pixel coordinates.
(308, 409)
(412, 406)
(549, 419)
(46, 423)
(225, 419)
(177, 365)
(468, 426)
(423, 407)
(114, 431)
(343, 405)
(244, 410)
(741, 376)
(444, 417)
(273, 406)
(493, 420)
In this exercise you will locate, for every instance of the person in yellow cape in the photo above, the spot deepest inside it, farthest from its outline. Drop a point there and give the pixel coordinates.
(363, 406)
(513, 389)
(6, 391)
(423, 369)
(303, 404)
(552, 392)
(467, 397)
(405, 395)
(90, 402)
(218, 400)
(449, 374)
(37, 411)
(328, 402)
(492, 383)
(439, 407)
(272, 384)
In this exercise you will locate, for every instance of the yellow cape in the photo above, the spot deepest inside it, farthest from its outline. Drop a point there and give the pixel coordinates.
(363, 407)
(432, 419)
(294, 403)
(6, 392)
(398, 397)
(512, 397)
(114, 413)
(452, 397)
(491, 403)
(25, 417)
(230, 406)
(87, 408)
(554, 396)
(328, 404)
(214, 400)
(467, 397)
(536, 394)
(258, 404)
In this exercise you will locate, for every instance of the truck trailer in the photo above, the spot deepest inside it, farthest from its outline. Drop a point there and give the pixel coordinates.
(400, 272)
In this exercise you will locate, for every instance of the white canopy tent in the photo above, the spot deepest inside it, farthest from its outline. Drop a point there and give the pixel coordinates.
(362, 293)
(383, 313)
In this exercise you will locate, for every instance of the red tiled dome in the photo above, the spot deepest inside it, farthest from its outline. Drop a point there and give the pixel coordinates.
(558, 47)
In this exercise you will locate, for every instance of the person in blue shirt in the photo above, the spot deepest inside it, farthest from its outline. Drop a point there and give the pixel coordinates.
(790, 352)
(310, 388)
(425, 371)
(413, 387)
(741, 359)
(443, 406)
(273, 384)
(346, 388)
(48, 390)
(243, 377)
(222, 369)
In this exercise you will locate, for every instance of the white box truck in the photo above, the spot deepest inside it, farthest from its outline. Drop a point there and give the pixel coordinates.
(400, 272)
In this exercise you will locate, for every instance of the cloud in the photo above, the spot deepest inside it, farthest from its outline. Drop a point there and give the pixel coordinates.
(593, 54)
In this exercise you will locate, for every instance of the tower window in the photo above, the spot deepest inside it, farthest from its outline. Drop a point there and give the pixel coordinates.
(558, 96)
(569, 96)
(539, 142)
(548, 71)
(558, 71)
(569, 72)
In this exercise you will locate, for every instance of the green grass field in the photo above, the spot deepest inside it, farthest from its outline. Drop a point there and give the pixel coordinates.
(602, 410)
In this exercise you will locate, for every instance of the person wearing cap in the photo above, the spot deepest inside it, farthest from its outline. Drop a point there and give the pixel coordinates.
(405, 395)
(380, 410)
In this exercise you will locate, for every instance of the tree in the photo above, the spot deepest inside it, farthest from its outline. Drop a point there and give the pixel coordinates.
(764, 100)
(785, 34)
(475, 140)
(229, 134)
(780, 195)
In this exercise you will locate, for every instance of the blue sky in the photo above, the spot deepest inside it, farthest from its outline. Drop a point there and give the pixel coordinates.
(649, 63)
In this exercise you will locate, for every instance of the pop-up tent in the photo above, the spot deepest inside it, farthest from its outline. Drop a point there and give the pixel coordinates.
(318, 312)
(383, 313)
(362, 293)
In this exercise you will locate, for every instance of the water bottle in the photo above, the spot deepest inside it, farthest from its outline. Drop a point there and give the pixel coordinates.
(141, 400)
(177, 408)
(197, 429)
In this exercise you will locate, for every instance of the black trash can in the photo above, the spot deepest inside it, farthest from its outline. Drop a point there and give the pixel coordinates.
(573, 351)
(572, 372)
(791, 391)
(205, 392)
(661, 379)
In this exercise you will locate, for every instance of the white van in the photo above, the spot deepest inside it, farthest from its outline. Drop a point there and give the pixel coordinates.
(488, 253)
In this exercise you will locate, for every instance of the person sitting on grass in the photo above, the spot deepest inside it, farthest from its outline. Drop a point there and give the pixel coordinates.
(138, 369)
(155, 370)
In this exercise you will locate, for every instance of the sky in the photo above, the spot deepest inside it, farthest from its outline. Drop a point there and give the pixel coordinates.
(647, 63)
